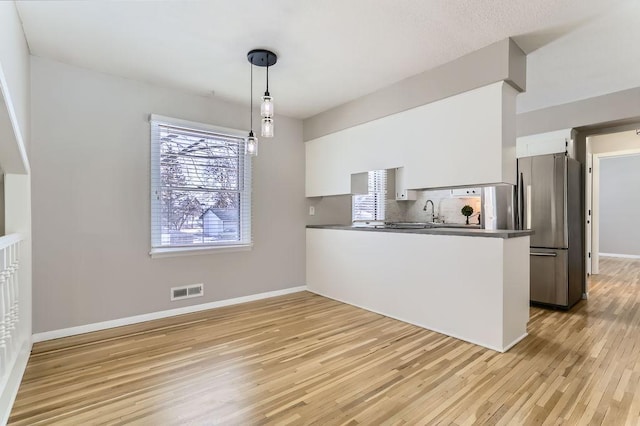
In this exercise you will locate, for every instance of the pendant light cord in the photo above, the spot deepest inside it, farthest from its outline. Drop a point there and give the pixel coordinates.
(251, 101)
(267, 78)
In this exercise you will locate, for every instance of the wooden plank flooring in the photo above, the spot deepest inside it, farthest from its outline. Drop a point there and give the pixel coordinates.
(305, 359)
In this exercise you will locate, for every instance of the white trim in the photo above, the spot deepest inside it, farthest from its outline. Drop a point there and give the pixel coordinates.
(245, 192)
(621, 153)
(595, 207)
(9, 390)
(194, 125)
(484, 345)
(158, 253)
(624, 256)
(7, 240)
(595, 214)
(4, 88)
(88, 328)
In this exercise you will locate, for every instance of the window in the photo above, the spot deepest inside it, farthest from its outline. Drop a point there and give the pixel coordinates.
(200, 187)
(370, 207)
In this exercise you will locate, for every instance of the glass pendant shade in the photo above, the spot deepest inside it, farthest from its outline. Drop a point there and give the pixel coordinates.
(260, 58)
(267, 127)
(266, 109)
(251, 145)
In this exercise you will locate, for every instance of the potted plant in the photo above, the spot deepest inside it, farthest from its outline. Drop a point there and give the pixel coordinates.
(467, 211)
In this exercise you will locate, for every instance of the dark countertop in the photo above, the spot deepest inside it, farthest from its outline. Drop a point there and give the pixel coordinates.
(461, 232)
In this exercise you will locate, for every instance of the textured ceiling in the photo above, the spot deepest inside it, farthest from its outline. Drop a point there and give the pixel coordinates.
(599, 57)
(330, 51)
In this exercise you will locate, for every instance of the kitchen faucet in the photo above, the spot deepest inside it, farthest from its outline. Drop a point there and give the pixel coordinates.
(433, 210)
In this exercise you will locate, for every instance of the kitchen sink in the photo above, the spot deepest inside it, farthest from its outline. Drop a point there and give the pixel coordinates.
(426, 225)
(408, 225)
(456, 225)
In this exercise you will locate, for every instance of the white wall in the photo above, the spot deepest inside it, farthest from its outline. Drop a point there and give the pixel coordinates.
(14, 65)
(90, 161)
(620, 205)
(14, 142)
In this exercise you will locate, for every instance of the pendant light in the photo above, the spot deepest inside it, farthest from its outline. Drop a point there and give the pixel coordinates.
(265, 58)
(266, 111)
(251, 144)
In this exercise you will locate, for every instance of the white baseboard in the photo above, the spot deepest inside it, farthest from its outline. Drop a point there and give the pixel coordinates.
(444, 333)
(72, 331)
(624, 256)
(9, 391)
(515, 342)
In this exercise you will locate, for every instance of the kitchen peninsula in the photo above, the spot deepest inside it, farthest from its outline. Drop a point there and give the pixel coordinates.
(471, 284)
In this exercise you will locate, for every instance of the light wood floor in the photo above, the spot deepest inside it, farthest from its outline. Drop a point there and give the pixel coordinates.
(303, 359)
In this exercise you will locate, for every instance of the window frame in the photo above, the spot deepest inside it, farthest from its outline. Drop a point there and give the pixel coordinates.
(245, 226)
(379, 195)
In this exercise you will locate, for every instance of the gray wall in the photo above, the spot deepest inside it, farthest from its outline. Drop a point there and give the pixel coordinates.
(334, 210)
(620, 205)
(605, 111)
(90, 161)
(503, 60)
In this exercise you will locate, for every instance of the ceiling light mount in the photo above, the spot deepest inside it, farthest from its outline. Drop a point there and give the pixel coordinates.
(262, 57)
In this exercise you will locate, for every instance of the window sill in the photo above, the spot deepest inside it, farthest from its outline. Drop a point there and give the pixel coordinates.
(157, 253)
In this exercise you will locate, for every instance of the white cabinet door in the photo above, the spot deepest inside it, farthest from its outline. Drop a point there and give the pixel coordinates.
(326, 168)
(402, 193)
(546, 143)
(467, 139)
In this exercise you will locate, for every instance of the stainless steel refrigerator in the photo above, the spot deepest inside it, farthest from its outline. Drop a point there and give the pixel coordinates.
(548, 195)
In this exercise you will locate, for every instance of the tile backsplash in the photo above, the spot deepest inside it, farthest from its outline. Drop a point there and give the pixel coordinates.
(447, 208)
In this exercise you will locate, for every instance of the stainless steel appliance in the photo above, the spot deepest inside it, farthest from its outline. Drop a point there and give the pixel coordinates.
(548, 195)
(498, 204)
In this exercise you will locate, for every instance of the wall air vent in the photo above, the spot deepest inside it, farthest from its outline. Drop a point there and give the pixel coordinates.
(187, 291)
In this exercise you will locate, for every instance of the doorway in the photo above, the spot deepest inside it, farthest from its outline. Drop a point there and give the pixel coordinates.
(612, 195)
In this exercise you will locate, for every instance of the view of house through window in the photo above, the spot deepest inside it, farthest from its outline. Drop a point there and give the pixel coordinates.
(200, 183)
(371, 206)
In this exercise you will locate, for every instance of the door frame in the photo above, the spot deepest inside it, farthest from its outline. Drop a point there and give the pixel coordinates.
(592, 201)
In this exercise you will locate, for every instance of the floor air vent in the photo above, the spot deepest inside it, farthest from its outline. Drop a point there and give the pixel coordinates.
(187, 291)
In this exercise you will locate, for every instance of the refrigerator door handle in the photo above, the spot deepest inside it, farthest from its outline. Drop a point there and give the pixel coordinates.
(520, 190)
(529, 209)
(544, 254)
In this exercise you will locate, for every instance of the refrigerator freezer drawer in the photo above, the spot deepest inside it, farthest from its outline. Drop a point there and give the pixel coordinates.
(549, 276)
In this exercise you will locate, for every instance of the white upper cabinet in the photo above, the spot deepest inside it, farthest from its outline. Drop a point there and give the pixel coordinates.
(327, 172)
(463, 140)
(402, 193)
(546, 143)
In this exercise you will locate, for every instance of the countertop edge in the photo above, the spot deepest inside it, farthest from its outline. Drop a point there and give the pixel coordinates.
(459, 232)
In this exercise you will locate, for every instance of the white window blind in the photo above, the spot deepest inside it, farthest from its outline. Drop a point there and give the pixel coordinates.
(371, 206)
(200, 185)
